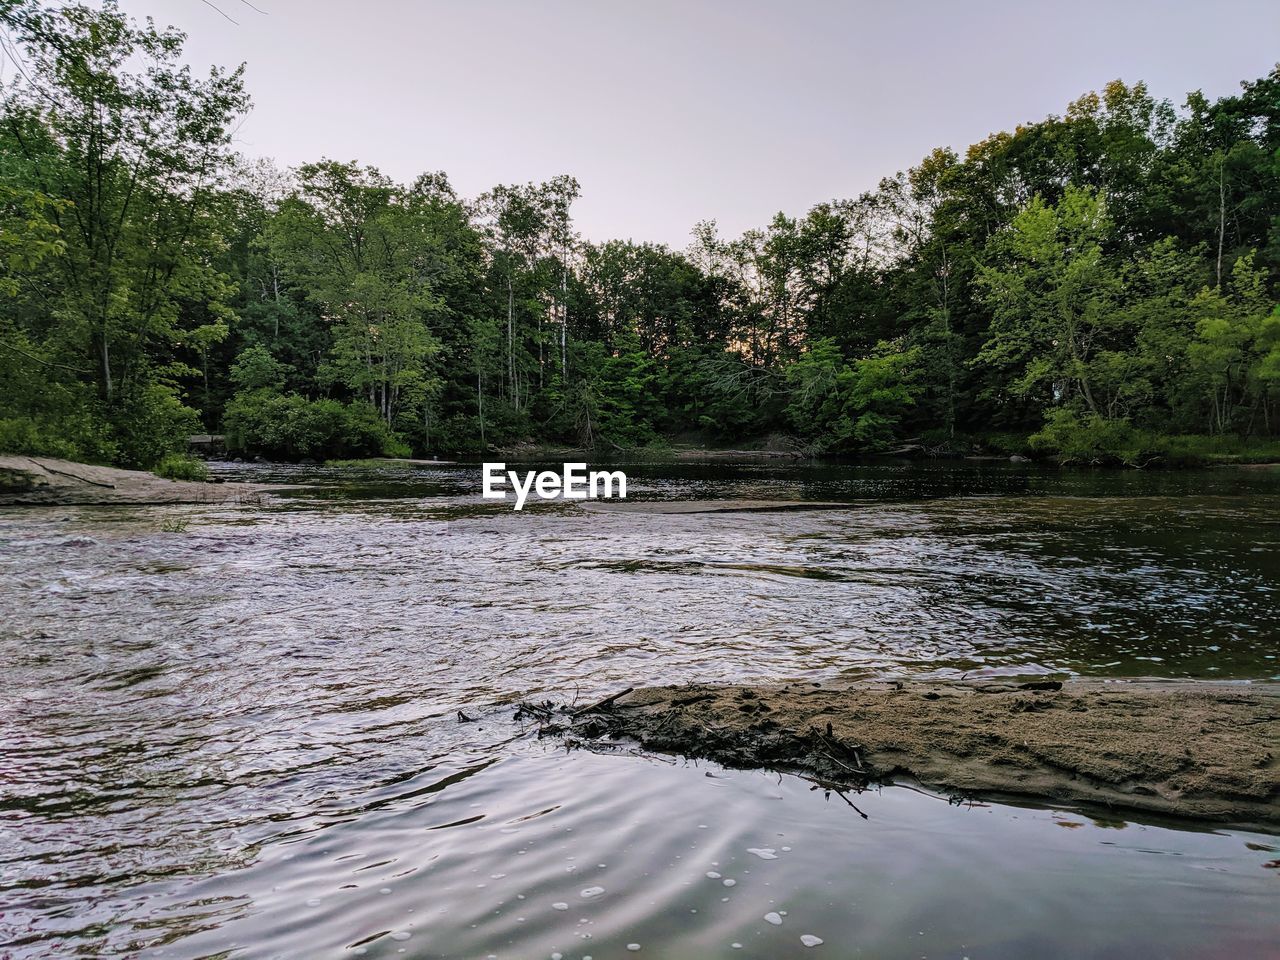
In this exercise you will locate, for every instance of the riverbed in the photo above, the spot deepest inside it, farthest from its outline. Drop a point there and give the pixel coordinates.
(285, 729)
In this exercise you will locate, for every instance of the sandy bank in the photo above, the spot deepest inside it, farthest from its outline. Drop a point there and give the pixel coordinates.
(46, 481)
(1204, 751)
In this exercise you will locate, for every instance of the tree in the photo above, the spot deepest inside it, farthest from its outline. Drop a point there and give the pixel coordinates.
(1235, 355)
(362, 249)
(136, 157)
(1053, 296)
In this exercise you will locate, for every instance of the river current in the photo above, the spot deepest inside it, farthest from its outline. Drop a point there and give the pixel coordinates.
(284, 728)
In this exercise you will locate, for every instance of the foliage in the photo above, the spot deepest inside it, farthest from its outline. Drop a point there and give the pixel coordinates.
(856, 406)
(181, 466)
(1099, 282)
(115, 150)
(291, 427)
(149, 421)
(1090, 439)
(256, 369)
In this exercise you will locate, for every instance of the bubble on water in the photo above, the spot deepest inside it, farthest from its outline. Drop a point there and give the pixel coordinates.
(764, 853)
(557, 956)
(591, 892)
(496, 876)
(736, 946)
(809, 940)
(786, 849)
(401, 935)
(712, 875)
(730, 882)
(633, 947)
(560, 905)
(384, 891)
(774, 918)
(313, 903)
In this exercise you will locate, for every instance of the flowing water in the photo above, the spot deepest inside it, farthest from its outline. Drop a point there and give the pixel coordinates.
(234, 730)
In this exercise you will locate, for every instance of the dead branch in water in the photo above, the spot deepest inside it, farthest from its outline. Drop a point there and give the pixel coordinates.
(600, 705)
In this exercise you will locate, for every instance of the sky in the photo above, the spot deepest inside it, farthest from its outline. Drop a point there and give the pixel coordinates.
(673, 111)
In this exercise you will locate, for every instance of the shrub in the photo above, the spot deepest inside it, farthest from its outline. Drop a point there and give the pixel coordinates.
(291, 427)
(181, 466)
(1072, 438)
(1090, 439)
(21, 435)
(150, 423)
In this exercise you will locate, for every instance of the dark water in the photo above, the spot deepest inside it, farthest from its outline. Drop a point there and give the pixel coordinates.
(232, 731)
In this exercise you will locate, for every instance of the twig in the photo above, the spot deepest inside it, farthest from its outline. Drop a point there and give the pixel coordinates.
(64, 473)
(222, 13)
(602, 704)
(48, 363)
(851, 803)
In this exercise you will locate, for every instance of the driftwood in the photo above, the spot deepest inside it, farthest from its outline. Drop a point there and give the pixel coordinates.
(600, 705)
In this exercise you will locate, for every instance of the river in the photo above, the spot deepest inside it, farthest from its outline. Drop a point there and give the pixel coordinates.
(284, 728)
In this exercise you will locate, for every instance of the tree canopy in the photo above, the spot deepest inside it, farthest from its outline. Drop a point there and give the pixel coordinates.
(1094, 282)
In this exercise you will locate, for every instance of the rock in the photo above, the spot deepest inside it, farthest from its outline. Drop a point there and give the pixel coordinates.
(48, 481)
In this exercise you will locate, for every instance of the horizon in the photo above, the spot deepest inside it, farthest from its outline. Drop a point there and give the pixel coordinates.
(738, 127)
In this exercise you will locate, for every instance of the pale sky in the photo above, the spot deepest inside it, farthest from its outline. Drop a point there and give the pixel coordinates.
(672, 111)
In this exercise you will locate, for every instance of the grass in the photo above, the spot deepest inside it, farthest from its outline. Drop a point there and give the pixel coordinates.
(1221, 450)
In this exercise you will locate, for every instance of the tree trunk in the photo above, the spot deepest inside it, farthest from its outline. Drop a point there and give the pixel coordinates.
(1222, 212)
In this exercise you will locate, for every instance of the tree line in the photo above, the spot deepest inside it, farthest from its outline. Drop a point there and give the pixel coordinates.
(1099, 285)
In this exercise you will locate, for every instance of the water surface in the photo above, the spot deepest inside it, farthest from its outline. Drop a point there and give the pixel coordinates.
(233, 731)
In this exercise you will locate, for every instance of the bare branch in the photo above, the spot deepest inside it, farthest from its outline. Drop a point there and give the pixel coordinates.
(222, 13)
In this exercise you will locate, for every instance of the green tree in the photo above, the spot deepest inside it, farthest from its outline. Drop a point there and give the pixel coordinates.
(1053, 296)
(364, 251)
(128, 146)
(1235, 354)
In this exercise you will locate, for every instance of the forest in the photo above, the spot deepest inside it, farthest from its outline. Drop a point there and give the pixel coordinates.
(1095, 287)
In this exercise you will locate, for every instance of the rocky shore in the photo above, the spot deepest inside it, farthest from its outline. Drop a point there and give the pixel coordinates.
(26, 481)
(1195, 750)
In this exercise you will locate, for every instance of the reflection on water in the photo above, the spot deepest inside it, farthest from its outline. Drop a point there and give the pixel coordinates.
(231, 740)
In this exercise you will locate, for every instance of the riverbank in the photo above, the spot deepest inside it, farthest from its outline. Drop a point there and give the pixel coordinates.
(1176, 452)
(1193, 750)
(44, 481)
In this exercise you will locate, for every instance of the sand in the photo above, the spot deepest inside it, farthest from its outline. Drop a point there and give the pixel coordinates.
(1191, 750)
